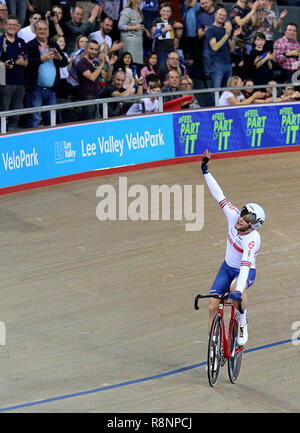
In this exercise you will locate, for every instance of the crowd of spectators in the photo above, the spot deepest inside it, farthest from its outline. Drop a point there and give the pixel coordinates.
(61, 50)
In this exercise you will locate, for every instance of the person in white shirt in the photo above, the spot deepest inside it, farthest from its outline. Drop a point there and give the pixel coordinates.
(229, 98)
(236, 97)
(102, 35)
(237, 273)
(27, 33)
(147, 105)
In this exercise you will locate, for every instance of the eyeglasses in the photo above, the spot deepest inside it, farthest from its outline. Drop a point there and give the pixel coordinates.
(173, 58)
(186, 84)
(12, 25)
(3, 10)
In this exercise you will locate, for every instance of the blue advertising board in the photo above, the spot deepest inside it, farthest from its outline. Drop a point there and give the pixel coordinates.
(235, 129)
(34, 156)
(57, 152)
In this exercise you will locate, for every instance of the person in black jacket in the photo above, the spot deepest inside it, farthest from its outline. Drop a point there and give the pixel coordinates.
(14, 57)
(42, 74)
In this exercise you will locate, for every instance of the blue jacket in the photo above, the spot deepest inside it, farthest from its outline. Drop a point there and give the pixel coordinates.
(34, 61)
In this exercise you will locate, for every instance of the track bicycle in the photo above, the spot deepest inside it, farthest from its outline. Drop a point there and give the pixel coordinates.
(221, 347)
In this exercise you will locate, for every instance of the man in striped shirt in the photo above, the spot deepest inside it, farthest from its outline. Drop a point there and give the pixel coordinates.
(237, 273)
(286, 52)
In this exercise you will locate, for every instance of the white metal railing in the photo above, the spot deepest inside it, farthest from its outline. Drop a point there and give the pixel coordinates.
(104, 102)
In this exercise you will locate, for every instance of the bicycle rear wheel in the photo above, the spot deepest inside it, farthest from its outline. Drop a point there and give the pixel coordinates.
(235, 362)
(214, 354)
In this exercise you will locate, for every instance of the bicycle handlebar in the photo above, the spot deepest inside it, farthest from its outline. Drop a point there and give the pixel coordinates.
(220, 297)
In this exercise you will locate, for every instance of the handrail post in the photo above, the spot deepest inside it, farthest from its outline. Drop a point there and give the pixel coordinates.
(160, 104)
(105, 110)
(3, 125)
(53, 117)
(217, 99)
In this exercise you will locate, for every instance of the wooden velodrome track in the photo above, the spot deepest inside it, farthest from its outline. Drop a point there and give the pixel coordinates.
(99, 315)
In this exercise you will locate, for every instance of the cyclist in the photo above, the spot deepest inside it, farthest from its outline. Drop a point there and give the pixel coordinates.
(237, 272)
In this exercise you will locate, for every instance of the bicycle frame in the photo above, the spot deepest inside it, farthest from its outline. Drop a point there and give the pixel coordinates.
(226, 340)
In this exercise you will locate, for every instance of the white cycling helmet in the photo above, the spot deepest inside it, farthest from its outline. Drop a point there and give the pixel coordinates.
(253, 214)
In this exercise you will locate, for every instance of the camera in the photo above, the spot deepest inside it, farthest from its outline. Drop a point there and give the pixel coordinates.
(52, 14)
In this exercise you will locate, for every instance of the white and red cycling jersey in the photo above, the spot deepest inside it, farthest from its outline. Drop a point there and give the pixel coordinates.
(241, 250)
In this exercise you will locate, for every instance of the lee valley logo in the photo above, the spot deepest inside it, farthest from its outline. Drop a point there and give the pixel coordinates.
(154, 203)
(64, 151)
(18, 160)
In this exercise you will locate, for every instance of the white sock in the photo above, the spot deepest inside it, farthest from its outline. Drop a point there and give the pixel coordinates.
(243, 318)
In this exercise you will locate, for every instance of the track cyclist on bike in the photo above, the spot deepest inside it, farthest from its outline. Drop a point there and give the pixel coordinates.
(237, 272)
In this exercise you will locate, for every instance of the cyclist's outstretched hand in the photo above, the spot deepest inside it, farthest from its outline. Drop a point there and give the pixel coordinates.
(205, 161)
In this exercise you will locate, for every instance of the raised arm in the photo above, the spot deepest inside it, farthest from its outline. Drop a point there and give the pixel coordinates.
(230, 211)
(212, 184)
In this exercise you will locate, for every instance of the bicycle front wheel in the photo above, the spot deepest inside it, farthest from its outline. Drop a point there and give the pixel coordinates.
(235, 362)
(214, 354)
